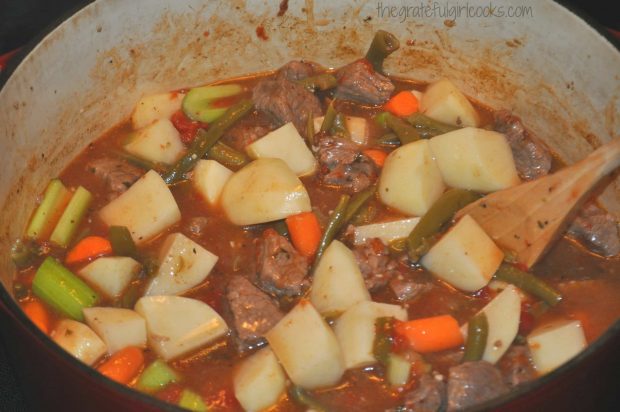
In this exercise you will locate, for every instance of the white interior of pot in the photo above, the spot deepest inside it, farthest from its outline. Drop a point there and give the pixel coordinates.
(551, 68)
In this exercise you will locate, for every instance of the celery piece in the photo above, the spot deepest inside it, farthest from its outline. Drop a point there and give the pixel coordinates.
(156, 376)
(192, 401)
(45, 217)
(72, 217)
(398, 370)
(197, 102)
(62, 290)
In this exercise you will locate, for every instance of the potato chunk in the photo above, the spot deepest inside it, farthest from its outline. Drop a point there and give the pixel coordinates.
(338, 283)
(307, 347)
(386, 231)
(286, 144)
(355, 330)
(411, 181)
(110, 274)
(155, 107)
(556, 343)
(264, 191)
(503, 315)
(79, 340)
(209, 179)
(443, 101)
(465, 257)
(159, 142)
(117, 327)
(183, 264)
(177, 325)
(475, 159)
(147, 208)
(259, 381)
(356, 126)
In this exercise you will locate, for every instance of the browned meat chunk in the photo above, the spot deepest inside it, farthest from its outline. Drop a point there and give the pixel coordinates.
(286, 101)
(117, 174)
(472, 383)
(253, 313)
(516, 365)
(248, 130)
(359, 82)
(281, 269)
(375, 263)
(531, 157)
(407, 289)
(343, 165)
(297, 70)
(597, 230)
(428, 396)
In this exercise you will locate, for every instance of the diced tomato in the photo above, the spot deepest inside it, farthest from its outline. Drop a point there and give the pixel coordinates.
(171, 393)
(526, 323)
(186, 126)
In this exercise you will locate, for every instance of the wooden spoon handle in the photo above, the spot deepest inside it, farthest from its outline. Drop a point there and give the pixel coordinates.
(526, 218)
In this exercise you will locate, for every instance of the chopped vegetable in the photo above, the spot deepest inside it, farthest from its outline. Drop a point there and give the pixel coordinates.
(386, 231)
(198, 103)
(38, 314)
(310, 130)
(124, 365)
(192, 401)
(384, 338)
(121, 241)
(356, 203)
(323, 81)
(339, 127)
(156, 376)
(443, 101)
(405, 132)
(259, 381)
(383, 44)
(377, 156)
(381, 119)
(333, 226)
(71, 217)
(227, 156)
(402, 104)
(432, 334)
(24, 252)
(529, 283)
(328, 119)
(303, 398)
(389, 140)
(79, 340)
(305, 232)
(428, 127)
(440, 212)
(398, 370)
(118, 327)
(111, 275)
(49, 211)
(205, 140)
(155, 107)
(58, 287)
(88, 248)
(477, 332)
(555, 343)
(158, 143)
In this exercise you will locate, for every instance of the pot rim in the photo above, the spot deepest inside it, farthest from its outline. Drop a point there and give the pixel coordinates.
(9, 303)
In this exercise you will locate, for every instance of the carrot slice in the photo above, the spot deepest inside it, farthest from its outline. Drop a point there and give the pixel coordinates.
(38, 314)
(377, 156)
(305, 232)
(402, 104)
(124, 365)
(88, 248)
(431, 334)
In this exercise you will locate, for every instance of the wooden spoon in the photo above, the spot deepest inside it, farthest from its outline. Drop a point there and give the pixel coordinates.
(525, 219)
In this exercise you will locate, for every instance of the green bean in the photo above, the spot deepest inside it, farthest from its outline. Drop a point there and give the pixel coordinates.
(405, 132)
(205, 140)
(323, 81)
(477, 333)
(139, 162)
(366, 215)
(397, 246)
(356, 204)
(333, 227)
(328, 120)
(440, 212)
(380, 119)
(389, 140)
(382, 345)
(383, 44)
(227, 156)
(281, 227)
(122, 242)
(428, 127)
(528, 283)
(300, 396)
